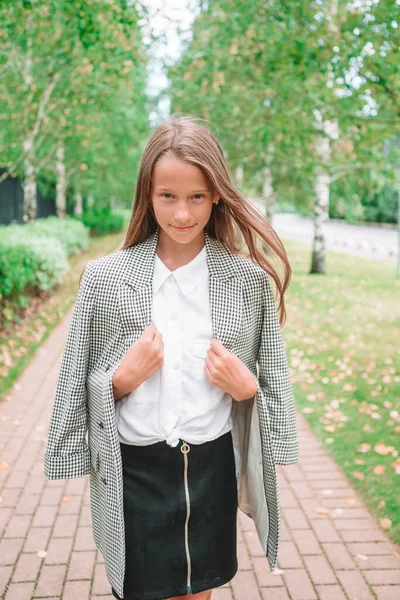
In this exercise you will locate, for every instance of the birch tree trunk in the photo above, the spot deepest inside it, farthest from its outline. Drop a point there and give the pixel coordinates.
(323, 151)
(321, 207)
(398, 219)
(61, 186)
(30, 188)
(239, 176)
(78, 204)
(268, 190)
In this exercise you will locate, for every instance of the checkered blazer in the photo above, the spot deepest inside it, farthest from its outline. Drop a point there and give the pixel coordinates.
(112, 308)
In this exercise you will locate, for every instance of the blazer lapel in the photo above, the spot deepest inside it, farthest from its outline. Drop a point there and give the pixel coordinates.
(135, 295)
(226, 292)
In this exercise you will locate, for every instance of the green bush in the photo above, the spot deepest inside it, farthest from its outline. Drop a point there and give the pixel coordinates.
(102, 221)
(71, 232)
(34, 258)
(28, 263)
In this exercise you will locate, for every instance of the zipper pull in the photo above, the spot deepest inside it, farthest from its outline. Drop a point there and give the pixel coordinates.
(185, 448)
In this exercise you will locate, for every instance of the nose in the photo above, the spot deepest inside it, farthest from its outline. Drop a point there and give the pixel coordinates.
(182, 214)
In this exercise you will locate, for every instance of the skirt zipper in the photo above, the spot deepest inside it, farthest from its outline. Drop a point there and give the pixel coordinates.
(185, 449)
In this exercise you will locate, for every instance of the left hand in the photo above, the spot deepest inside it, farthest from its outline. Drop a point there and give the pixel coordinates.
(226, 371)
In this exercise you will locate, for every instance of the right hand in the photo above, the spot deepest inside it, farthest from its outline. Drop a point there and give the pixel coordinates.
(143, 359)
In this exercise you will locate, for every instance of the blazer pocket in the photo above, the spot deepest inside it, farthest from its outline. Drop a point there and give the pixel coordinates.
(200, 348)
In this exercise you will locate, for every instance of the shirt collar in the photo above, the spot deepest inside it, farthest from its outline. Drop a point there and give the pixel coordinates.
(187, 277)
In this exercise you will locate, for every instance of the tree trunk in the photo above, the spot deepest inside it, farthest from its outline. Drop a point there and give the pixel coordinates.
(61, 187)
(78, 205)
(30, 188)
(321, 212)
(268, 190)
(239, 176)
(398, 219)
(323, 151)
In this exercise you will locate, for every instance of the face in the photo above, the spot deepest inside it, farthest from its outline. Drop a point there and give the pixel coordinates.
(181, 198)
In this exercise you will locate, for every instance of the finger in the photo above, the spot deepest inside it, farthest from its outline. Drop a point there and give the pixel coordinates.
(150, 331)
(217, 346)
(158, 340)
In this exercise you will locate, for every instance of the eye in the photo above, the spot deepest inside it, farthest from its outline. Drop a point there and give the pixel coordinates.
(166, 195)
(198, 196)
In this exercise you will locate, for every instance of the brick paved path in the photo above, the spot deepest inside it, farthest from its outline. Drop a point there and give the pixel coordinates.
(333, 555)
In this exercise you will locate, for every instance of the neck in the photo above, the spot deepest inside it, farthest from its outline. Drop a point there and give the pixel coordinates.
(175, 255)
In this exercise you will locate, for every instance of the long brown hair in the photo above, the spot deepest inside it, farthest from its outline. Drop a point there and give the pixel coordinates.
(233, 221)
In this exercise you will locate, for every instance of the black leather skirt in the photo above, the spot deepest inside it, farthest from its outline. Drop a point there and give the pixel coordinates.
(180, 509)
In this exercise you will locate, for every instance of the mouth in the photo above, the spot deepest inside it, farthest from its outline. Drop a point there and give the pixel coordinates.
(183, 229)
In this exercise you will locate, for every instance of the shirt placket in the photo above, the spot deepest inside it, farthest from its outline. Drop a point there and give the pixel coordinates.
(171, 396)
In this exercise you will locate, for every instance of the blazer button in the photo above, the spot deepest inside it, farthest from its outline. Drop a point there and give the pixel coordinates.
(101, 424)
(104, 480)
(107, 368)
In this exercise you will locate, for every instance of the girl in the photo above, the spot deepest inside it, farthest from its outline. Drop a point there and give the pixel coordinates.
(176, 369)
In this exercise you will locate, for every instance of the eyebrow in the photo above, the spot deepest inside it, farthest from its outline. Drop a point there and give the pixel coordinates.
(168, 190)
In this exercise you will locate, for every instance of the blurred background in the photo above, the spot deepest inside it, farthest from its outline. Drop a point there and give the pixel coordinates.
(304, 96)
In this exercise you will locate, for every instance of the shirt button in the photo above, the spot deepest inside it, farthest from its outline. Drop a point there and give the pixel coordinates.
(176, 365)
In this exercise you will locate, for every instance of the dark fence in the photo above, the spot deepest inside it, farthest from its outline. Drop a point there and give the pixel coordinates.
(12, 200)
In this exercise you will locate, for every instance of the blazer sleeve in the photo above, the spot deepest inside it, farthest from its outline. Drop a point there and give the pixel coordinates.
(67, 454)
(275, 384)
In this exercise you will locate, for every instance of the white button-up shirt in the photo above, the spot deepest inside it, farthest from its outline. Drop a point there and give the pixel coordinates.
(178, 400)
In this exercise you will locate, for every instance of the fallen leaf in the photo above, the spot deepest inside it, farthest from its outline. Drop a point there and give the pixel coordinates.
(364, 447)
(358, 475)
(4, 465)
(351, 500)
(385, 523)
(396, 463)
(65, 499)
(382, 449)
(42, 553)
(379, 469)
(338, 511)
(321, 510)
(362, 556)
(330, 428)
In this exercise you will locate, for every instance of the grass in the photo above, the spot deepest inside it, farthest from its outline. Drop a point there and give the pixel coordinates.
(343, 340)
(45, 312)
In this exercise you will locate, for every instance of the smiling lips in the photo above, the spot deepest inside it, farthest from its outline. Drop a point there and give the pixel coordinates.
(184, 228)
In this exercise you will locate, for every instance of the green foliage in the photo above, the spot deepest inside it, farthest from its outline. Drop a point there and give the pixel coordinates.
(29, 263)
(34, 258)
(382, 207)
(84, 65)
(71, 232)
(369, 197)
(265, 75)
(102, 221)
